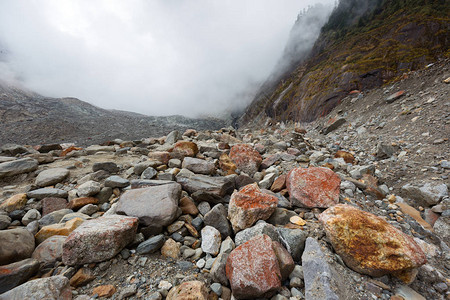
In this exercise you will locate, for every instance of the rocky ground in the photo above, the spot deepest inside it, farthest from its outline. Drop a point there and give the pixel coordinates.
(352, 206)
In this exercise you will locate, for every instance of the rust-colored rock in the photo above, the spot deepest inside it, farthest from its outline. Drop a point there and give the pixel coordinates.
(161, 156)
(15, 202)
(185, 148)
(190, 290)
(80, 202)
(285, 261)
(187, 206)
(279, 184)
(68, 150)
(370, 245)
(253, 270)
(227, 165)
(81, 277)
(51, 204)
(104, 290)
(246, 158)
(313, 187)
(249, 205)
(371, 183)
(415, 214)
(347, 156)
(57, 229)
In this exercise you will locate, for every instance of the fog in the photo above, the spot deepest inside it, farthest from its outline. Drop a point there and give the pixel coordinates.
(194, 58)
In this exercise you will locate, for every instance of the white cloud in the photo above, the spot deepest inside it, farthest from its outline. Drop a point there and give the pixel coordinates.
(154, 57)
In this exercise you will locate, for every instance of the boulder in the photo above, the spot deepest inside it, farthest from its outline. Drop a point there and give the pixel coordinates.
(116, 181)
(77, 203)
(250, 205)
(152, 205)
(370, 245)
(54, 217)
(211, 240)
(185, 149)
(313, 187)
(51, 204)
(15, 202)
(51, 176)
(285, 261)
(17, 273)
(217, 218)
(246, 158)
(260, 228)
(162, 157)
(16, 244)
(199, 166)
(88, 188)
(427, 194)
(205, 188)
(50, 288)
(253, 270)
(18, 166)
(151, 245)
(226, 164)
(57, 229)
(99, 239)
(50, 250)
(47, 192)
(109, 166)
(189, 290)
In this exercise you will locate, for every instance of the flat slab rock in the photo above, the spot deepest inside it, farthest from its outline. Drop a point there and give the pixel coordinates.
(313, 187)
(99, 239)
(370, 245)
(18, 166)
(153, 205)
(50, 288)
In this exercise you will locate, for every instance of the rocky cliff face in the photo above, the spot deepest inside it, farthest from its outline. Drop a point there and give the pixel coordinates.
(363, 45)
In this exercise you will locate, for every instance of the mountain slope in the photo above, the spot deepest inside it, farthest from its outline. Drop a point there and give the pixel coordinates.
(363, 45)
(26, 117)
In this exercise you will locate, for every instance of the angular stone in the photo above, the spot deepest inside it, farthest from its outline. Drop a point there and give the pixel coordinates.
(54, 217)
(318, 275)
(206, 188)
(260, 228)
(30, 216)
(47, 192)
(99, 239)
(427, 194)
(279, 184)
(50, 250)
(211, 240)
(18, 166)
(116, 181)
(226, 164)
(368, 244)
(217, 218)
(17, 273)
(270, 161)
(163, 157)
(89, 209)
(281, 216)
(395, 96)
(172, 137)
(250, 205)
(285, 261)
(218, 269)
(333, 124)
(189, 290)
(88, 188)
(293, 240)
(82, 277)
(80, 202)
(246, 158)
(51, 176)
(52, 204)
(253, 269)
(16, 244)
(15, 202)
(152, 205)
(313, 187)
(140, 167)
(442, 228)
(13, 149)
(5, 221)
(50, 288)
(104, 290)
(185, 149)
(171, 249)
(199, 166)
(109, 166)
(187, 206)
(347, 156)
(151, 245)
(57, 229)
(149, 173)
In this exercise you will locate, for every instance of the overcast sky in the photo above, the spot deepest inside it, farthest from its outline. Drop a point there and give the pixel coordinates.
(163, 57)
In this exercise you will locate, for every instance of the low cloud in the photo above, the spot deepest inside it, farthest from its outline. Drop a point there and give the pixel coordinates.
(193, 58)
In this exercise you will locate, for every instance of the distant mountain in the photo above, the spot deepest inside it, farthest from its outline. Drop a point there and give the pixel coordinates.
(29, 118)
(364, 44)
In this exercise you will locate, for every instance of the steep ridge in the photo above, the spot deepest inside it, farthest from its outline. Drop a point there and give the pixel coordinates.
(364, 44)
(26, 117)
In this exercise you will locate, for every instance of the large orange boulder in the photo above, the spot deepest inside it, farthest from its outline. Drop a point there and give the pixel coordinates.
(370, 245)
(253, 269)
(246, 158)
(185, 148)
(313, 187)
(249, 205)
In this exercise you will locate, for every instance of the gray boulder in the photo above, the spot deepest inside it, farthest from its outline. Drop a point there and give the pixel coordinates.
(50, 288)
(51, 176)
(18, 166)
